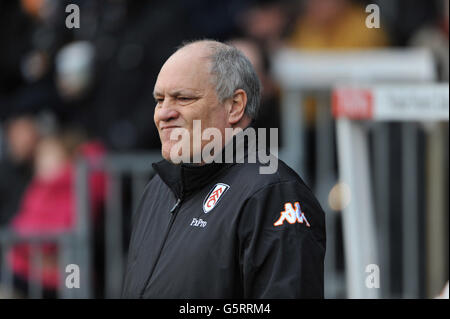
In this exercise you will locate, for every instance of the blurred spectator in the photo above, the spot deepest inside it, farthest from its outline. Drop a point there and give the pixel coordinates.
(108, 94)
(48, 206)
(34, 31)
(127, 42)
(404, 17)
(435, 37)
(266, 22)
(214, 19)
(331, 25)
(269, 112)
(74, 72)
(335, 24)
(22, 136)
(14, 31)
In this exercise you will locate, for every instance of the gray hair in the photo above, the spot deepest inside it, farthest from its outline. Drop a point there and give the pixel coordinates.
(232, 71)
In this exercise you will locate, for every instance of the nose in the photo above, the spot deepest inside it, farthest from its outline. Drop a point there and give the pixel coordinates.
(167, 112)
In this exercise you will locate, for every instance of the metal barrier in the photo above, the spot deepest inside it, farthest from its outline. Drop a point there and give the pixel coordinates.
(139, 166)
(76, 247)
(408, 105)
(306, 73)
(8, 239)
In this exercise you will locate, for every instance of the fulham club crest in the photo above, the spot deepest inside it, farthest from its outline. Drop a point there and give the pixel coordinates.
(214, 196)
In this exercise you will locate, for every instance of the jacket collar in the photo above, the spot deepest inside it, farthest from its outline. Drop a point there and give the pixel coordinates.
(185, 179)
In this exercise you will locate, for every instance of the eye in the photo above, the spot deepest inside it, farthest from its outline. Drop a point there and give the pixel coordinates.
(184, 98)
(159, 100)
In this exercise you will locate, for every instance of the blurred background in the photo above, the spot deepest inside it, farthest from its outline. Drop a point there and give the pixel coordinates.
(77, 137)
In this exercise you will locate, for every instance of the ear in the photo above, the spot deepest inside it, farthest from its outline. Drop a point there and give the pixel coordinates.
(237, 107)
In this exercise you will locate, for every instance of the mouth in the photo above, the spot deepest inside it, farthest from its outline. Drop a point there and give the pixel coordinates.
(169, 127)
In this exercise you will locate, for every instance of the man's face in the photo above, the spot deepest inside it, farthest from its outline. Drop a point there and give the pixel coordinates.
(185, 92)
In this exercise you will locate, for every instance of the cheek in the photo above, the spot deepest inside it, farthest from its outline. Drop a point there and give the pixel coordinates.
(218, 117)
(211, 113)
(155, 117)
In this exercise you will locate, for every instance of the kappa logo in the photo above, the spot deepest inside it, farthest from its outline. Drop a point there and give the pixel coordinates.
(291, 215)
(214, 196)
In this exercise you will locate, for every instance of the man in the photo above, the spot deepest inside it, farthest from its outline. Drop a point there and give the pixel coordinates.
(22, 136)
(220, 229)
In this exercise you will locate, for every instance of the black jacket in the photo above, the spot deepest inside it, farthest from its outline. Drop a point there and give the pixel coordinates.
(216, 231)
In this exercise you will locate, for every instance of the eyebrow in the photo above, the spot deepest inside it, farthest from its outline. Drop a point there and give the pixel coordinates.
(177, 93)
(156, 93)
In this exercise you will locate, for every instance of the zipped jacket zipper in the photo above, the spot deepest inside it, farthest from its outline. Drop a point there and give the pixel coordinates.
(173, 212)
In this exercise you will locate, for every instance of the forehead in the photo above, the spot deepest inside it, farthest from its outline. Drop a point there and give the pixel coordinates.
(186, 69)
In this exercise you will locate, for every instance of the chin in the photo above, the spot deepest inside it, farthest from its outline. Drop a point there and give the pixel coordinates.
(165, 153)
(184, 156)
